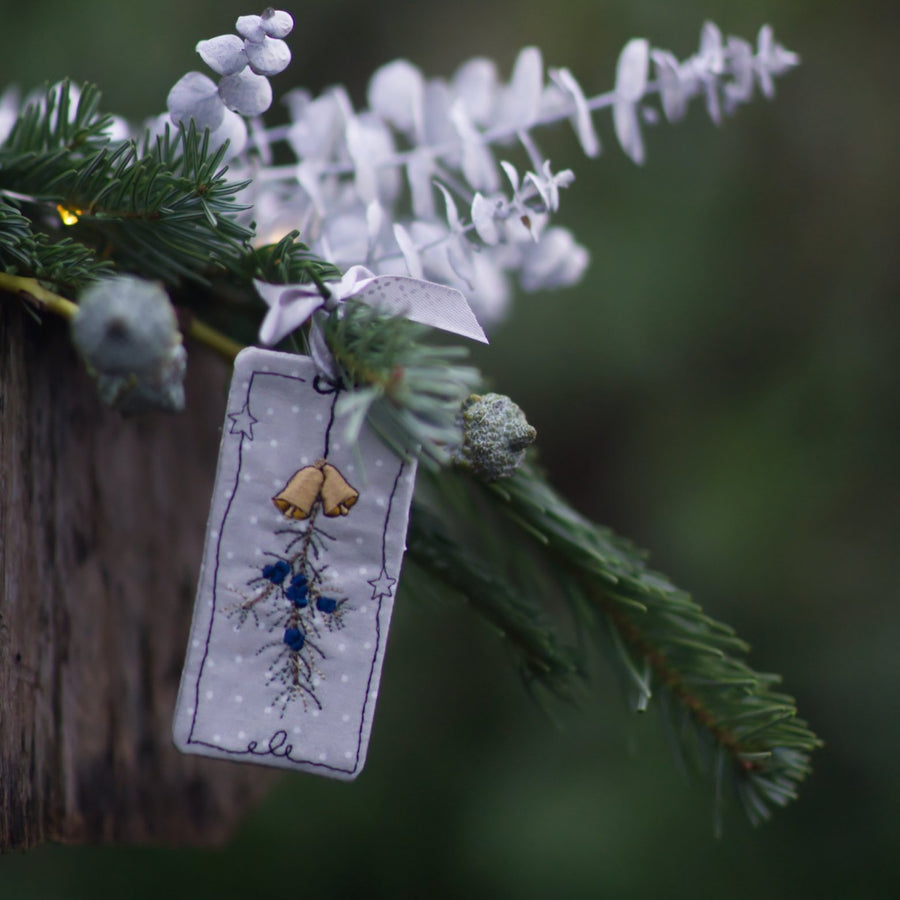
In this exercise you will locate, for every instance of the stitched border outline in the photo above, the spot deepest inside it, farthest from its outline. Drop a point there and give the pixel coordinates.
(278, 745)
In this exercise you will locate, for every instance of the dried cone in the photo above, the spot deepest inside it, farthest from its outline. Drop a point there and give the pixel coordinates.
(337, 495)
(298, 497)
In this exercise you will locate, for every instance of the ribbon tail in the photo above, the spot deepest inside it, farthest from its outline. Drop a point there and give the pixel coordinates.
(289, 308)
(319, 352)
(425, 302)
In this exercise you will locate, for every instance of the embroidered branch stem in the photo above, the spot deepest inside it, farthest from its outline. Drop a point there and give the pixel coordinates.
(303, 555)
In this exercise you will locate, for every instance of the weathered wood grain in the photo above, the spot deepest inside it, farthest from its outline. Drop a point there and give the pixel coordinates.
(101, 530)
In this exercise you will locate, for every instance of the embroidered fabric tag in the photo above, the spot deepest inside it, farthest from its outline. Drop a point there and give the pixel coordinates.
(303, 552)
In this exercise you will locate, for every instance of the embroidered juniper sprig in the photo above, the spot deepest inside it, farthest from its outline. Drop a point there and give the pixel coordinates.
(292, 593)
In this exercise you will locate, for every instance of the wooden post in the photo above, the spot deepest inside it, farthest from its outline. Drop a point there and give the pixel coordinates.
(101, 528)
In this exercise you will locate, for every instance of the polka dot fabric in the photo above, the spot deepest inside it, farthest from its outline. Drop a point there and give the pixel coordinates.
(295, 597)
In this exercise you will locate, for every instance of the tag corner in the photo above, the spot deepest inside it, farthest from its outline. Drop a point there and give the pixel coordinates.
(246, 355)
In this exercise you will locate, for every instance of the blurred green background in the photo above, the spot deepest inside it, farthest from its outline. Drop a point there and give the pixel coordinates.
(722, 388)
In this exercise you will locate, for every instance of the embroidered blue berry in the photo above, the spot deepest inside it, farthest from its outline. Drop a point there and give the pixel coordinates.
(276, 572)
(294, 638)
(326, 604)
(496, 435)
(297, 592)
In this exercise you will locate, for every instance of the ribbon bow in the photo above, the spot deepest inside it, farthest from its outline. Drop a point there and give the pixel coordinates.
(425, 302)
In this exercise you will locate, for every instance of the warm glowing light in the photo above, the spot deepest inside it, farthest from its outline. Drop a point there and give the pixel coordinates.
(273, 236)
(68, 216)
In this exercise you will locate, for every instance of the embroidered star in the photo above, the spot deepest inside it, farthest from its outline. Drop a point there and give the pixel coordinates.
(243, 422)
(382, 586)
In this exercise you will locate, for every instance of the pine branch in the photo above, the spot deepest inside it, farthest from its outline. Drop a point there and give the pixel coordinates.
(689, 656)
(513, 548)
(288, 261)
(409, 391)
(542, 658)
(725, 715)
(63, 262)
(164, 209)
(52, 130)
(15, 236)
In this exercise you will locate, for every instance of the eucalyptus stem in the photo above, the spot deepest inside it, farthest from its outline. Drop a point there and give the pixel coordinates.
(199, 331)
(35, 293)
(31, 290)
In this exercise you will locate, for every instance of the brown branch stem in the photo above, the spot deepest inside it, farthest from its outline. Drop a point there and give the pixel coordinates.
(673, 682)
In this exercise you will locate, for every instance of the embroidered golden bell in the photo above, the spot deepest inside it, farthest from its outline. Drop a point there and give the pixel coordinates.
(337, 495)
(319, 482)
(298, 497)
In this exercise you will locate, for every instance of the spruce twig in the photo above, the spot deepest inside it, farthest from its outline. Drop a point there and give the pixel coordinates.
(515, 549)
(680, 651)
(543, 659)
(163, 208)
(541, 554)
(409, 391)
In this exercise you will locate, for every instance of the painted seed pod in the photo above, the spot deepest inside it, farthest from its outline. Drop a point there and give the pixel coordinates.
(496, 436)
